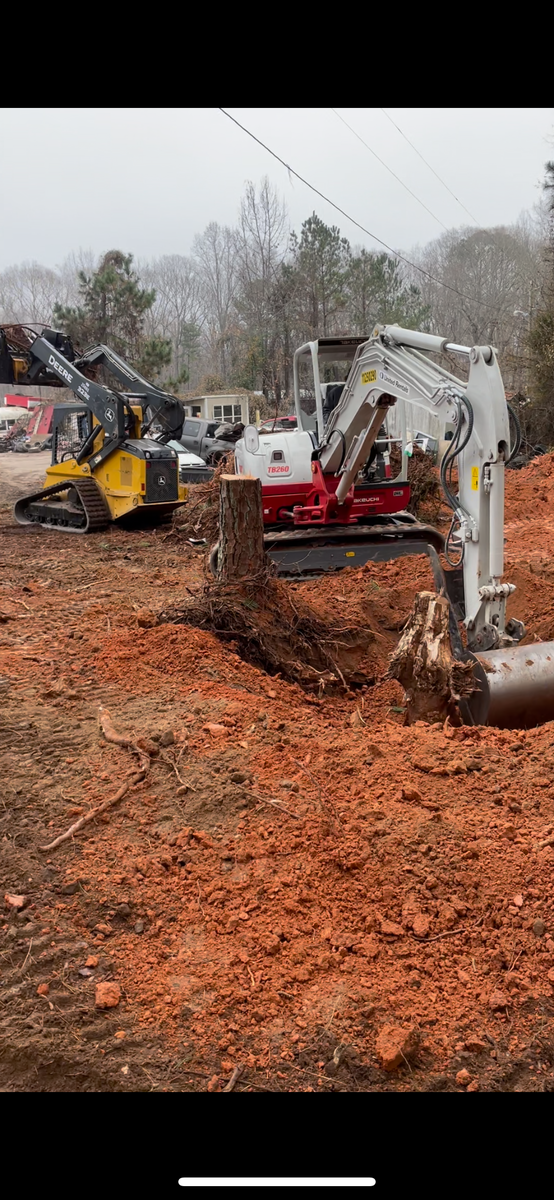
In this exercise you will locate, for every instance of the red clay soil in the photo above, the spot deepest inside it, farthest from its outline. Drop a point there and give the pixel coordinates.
(303, 889)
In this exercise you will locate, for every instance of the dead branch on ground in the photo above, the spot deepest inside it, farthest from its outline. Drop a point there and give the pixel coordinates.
(132, 778)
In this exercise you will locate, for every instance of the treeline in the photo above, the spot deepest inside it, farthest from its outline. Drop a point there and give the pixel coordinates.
(230, 314)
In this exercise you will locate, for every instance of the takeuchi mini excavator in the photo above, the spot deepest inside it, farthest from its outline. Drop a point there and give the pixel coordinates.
(105, 466)
(322, 511)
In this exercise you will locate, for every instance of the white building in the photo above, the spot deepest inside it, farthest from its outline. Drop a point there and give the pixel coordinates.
(219, 407)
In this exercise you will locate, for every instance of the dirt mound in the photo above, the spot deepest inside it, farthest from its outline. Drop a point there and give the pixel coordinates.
(296, 875)
(530, 491)
(423, 477)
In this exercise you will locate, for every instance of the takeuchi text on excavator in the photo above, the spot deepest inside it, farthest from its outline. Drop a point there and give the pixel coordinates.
(323, 511)
(110, 459)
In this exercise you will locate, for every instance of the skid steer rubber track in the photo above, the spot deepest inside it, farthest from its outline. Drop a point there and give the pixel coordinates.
(91, 515)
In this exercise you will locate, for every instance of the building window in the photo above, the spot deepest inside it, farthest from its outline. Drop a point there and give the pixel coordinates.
(227, 412)
(196, 410)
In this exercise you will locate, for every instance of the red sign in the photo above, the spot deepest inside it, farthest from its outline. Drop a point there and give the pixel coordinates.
(41, 422)
(22, 401)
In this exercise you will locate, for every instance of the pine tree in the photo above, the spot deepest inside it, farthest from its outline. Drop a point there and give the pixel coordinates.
(112, 311)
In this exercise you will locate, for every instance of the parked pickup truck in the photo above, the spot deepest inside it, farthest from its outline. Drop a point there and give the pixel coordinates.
(198, 436)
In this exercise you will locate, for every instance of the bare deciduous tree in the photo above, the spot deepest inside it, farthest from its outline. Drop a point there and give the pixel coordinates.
(215, 254)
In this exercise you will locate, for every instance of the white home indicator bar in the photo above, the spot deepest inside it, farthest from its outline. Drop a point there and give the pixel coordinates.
(250, 1181)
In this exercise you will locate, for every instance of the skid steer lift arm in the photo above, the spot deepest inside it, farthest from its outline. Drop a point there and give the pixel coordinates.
(112, 412)
(163, 407)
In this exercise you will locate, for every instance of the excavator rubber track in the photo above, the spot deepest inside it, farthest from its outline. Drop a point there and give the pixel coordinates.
(312, 552)
(90, 516)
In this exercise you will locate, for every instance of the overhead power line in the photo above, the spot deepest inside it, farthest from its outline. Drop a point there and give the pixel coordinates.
(389, 169)
(401, 257)
(435, 173)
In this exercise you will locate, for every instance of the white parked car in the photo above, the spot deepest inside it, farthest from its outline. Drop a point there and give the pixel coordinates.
(192, 468)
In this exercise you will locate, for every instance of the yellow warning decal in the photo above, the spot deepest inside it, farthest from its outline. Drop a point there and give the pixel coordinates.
(350, 554)
(475, 479)
(369, 376)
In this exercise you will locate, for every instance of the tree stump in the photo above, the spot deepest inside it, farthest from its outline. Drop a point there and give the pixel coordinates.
(433, 680)
(241, 552)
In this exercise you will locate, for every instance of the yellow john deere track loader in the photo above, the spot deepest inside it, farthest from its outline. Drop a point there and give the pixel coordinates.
(104, 465)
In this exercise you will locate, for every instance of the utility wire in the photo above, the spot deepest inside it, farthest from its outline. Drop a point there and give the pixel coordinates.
(389, 169)
(435, 173)
(401, 257)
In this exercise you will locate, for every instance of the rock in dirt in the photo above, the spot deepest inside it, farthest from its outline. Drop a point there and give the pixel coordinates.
(15, 902)
(475, 1045)
(411, 793)
(139, 926)
(539, 928)
(240, 777)
(391, 929)
(473, 1086)
(146, 619)
(498, 1000)
(108, 995)
(167, 738)
(271, 944)
(69, 889)
(216, 730)
(43, 989)
(395, 1046)
(463, 1078)
(123, 910)
(92, 961)
(421, 925)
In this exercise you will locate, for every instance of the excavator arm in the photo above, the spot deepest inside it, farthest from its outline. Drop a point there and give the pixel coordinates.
(394, 366)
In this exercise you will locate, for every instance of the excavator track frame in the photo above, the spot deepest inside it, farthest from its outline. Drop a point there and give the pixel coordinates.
(312, 552)
(64, 517)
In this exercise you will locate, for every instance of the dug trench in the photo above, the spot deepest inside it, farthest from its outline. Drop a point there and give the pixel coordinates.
(302, 893)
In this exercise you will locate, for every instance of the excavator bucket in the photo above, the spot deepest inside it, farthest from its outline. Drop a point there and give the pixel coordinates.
(516, 687)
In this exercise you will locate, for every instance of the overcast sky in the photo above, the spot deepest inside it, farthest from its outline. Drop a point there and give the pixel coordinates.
(146, 180)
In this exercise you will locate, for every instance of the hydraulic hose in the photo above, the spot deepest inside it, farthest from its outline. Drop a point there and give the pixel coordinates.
(446, 473)
(517, 446)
